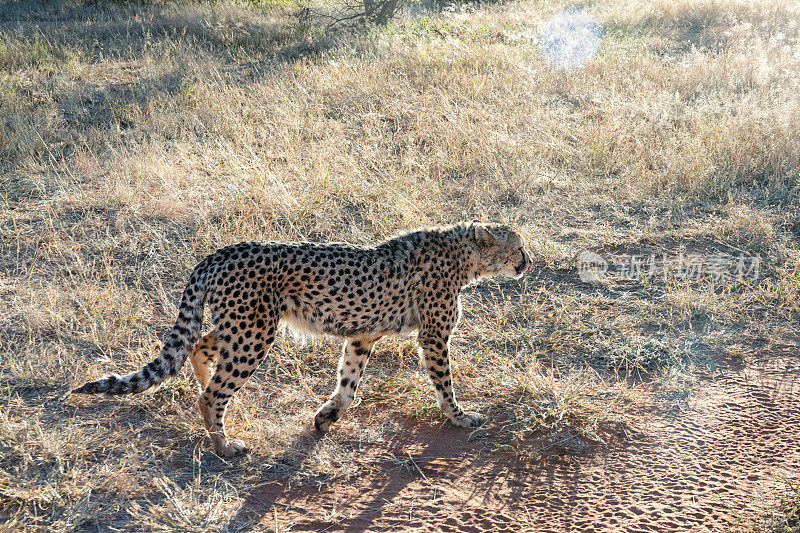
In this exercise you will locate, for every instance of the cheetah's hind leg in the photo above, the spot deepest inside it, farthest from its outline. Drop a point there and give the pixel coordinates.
(204, 355)
(240, 353)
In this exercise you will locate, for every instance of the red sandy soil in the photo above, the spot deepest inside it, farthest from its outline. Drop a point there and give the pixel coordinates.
(713, 466)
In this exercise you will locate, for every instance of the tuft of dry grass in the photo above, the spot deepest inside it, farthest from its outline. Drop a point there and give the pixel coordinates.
(784, 516)
(136, 138)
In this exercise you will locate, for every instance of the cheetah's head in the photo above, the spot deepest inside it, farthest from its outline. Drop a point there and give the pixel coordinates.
(499, 250)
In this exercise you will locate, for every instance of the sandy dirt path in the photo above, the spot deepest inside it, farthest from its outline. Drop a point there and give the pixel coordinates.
(711, 467)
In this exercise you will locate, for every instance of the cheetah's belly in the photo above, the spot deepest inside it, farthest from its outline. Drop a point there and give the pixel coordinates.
(344, 320)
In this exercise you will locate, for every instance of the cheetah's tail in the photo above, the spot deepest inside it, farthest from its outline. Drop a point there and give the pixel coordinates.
(176, 349)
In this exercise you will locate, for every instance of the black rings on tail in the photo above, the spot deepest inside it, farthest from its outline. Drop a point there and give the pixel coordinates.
(183, 336)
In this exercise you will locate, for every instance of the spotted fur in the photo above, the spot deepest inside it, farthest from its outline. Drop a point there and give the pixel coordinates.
(409, 283)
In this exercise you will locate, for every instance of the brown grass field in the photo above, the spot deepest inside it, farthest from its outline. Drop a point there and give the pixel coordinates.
(135, 138)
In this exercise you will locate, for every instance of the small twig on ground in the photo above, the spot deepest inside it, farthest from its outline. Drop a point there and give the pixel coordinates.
(422, 474)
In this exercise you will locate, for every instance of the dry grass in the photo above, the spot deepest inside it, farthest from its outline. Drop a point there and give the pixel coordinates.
(134, 139)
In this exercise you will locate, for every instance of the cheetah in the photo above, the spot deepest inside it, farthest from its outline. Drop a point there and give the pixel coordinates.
(408, 283)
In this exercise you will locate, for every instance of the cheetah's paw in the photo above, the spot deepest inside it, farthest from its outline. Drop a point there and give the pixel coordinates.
(234, 448)
(468, 420)
(327, 415)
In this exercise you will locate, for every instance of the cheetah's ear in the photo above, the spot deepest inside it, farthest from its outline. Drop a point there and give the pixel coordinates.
(483, 235)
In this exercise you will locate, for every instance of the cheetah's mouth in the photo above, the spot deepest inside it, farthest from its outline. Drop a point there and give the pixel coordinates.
(524, 266)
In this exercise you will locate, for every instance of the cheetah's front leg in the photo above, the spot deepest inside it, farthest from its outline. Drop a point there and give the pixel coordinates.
(355, 355)
(435, 355)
